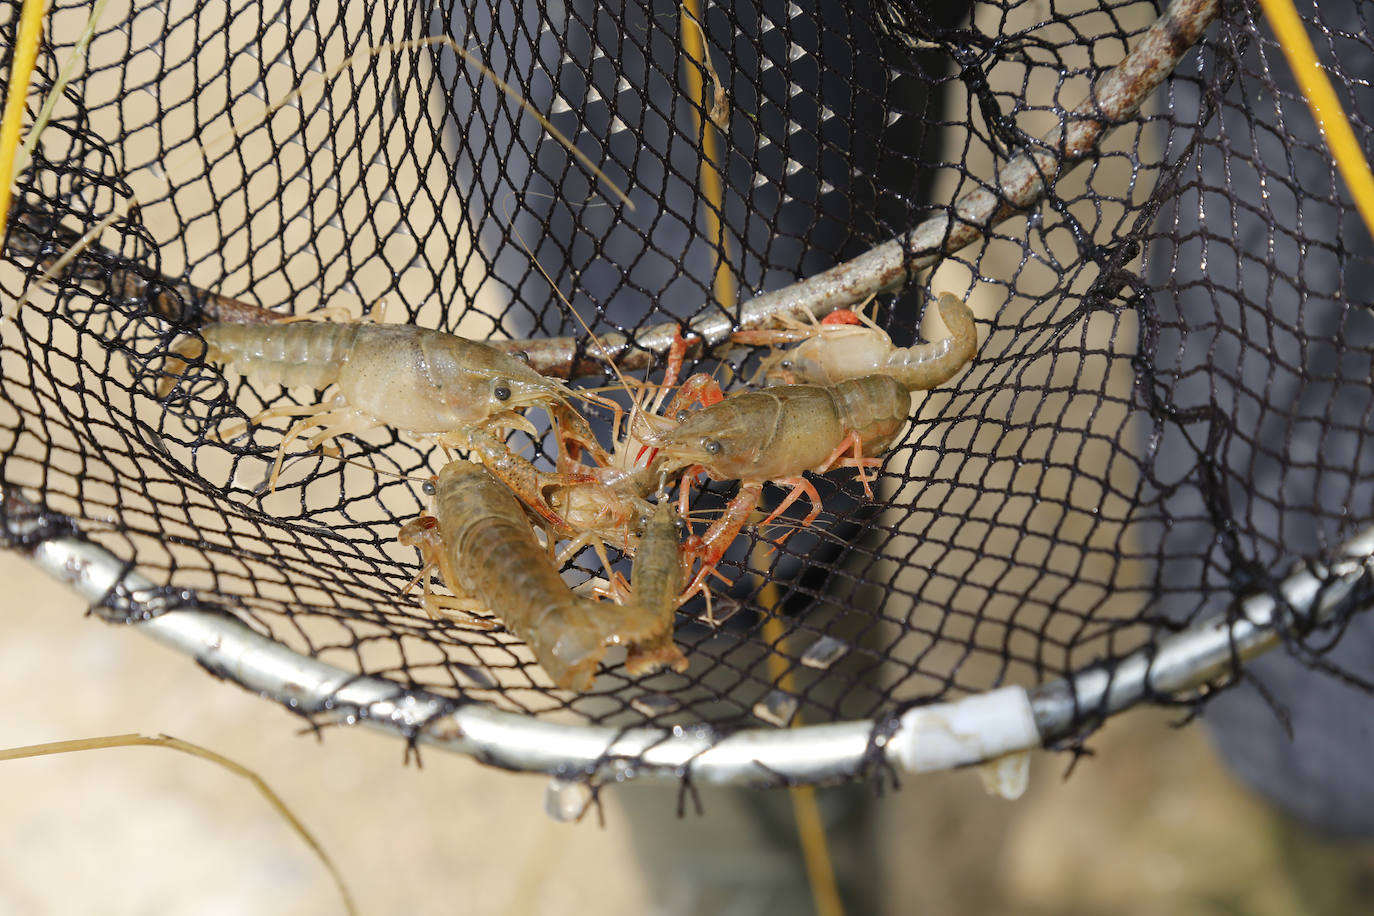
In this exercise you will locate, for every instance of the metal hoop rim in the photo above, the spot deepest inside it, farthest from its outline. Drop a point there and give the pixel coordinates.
(964, 732)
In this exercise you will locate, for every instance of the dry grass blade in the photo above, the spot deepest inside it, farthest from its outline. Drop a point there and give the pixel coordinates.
(195, 750)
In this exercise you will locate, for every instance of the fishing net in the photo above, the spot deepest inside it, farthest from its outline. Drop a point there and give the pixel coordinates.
(1166, 417)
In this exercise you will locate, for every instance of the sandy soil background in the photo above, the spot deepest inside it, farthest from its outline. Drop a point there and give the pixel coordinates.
(1151, 824)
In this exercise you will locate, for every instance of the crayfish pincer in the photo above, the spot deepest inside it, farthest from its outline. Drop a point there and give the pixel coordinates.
(491, 559)
(779, 433)
(420, 381)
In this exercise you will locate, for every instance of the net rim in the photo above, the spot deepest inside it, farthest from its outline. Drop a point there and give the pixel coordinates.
(964, 732)
(967, 731)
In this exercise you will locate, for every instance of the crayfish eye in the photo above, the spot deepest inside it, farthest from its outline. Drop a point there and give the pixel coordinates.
(428, 488)
(501, 391)
(785, 364)
(681, 416)
(681, 527)
(712, 446)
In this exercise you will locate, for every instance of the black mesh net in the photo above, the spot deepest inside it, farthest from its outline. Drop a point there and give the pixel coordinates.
(1168, 407)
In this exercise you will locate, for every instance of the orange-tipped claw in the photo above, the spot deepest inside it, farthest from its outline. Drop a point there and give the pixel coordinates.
(841, 316)
(699, 389)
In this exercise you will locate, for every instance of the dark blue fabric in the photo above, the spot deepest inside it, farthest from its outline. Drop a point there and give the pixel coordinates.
(1264, 292)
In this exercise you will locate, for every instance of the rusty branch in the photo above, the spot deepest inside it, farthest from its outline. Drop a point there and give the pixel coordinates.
(1019, 185)
(38, 238)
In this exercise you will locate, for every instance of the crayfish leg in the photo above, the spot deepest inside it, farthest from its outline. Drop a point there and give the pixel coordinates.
(862, 465)
(800, 486)
(676, 354)
(458, 610)
(711, 546)
(423, 534)
(341, 421)
(854, 443)
(573, 436)
(232, 431)
(578, 544)
(415, 580)
(521, 476)
(332, 423)
(772, 337)
(174, 365)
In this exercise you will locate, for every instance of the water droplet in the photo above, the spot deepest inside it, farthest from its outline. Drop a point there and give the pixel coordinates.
(1007, 776)
(339, 715)
(157, 442)
(824, 652)
(567, 801)
(251, 473)
(722, 609)
(777, 708)
(478, 677)
(654, 704)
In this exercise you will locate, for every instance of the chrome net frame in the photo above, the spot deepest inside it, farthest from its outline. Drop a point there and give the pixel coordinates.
(976, 730)
(952, 719)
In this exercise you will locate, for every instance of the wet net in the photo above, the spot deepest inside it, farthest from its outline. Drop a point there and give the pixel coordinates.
(1168, 410)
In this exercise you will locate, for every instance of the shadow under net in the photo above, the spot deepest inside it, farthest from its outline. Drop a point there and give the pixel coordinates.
(1016, 537)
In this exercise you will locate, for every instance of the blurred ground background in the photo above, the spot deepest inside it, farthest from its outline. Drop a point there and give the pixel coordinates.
(1150, 824)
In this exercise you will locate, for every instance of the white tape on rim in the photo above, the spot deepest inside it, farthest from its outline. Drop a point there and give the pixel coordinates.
(972, 730)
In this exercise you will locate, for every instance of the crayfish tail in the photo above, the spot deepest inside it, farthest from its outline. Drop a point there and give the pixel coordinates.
(570, 641)
(928, 365)
(654, 654)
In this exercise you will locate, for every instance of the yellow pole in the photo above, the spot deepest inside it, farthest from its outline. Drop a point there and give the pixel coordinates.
(694, 43)
(11, 123)
(820, 870)
(1326, 108)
